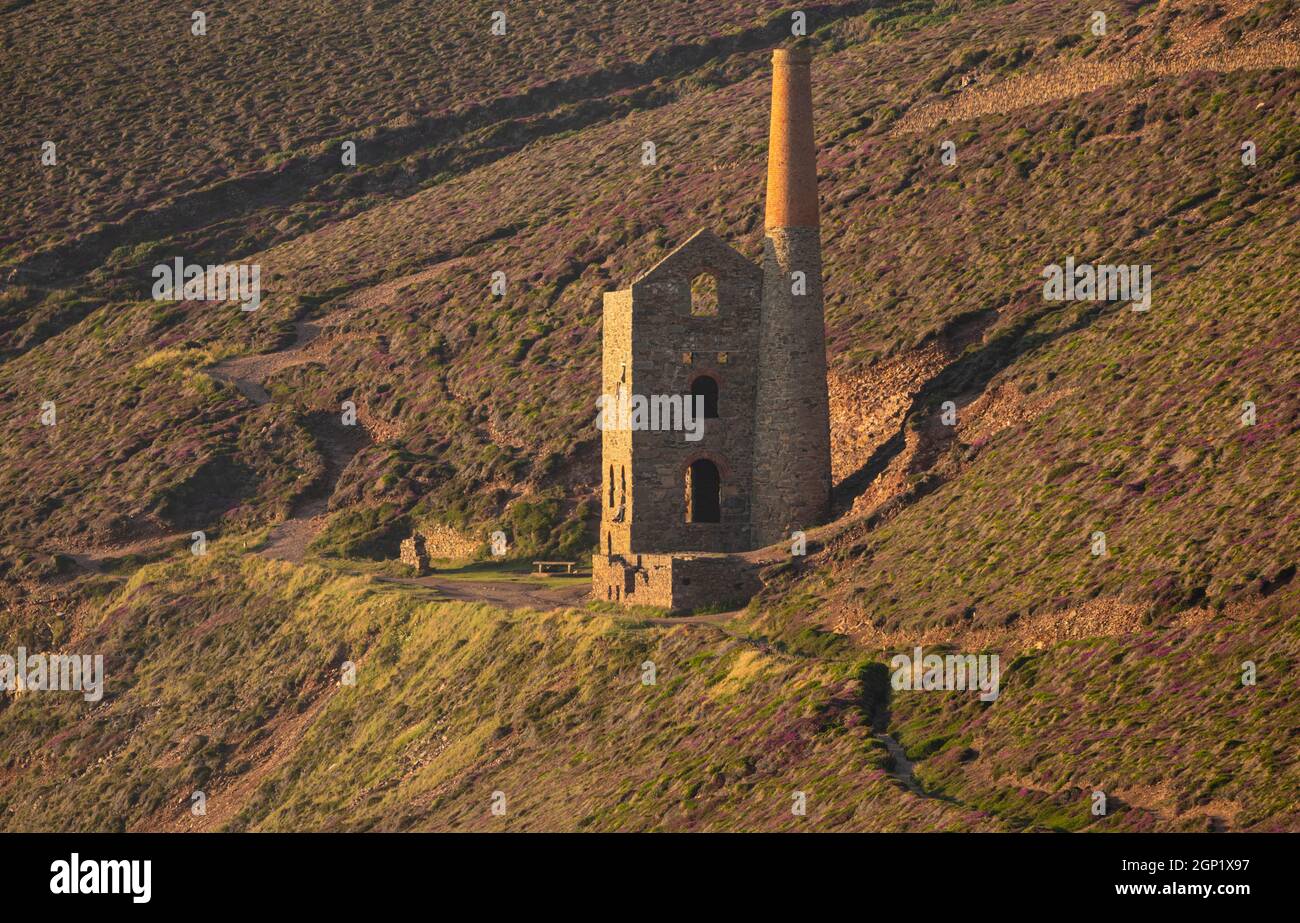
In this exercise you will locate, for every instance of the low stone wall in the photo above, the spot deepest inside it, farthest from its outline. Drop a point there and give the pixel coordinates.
(679, 582)
(433, 542)
(445, 542)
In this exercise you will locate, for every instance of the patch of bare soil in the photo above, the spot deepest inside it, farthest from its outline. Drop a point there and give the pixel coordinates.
(874, 451)
(503, 593)
(94, 557)
(247, 373)
(1220, 814)
(868, 407)
(1075, 78)
(290, 539)
(1002, 407)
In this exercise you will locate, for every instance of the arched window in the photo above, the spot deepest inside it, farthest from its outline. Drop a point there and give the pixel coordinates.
(622, 484)
(611, 486)
(704, 295)
(703, 492)
(706, 386)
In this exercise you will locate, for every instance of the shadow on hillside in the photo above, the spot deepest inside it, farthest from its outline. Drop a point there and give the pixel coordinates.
(874, 678)
(436, 144)
(970, 373)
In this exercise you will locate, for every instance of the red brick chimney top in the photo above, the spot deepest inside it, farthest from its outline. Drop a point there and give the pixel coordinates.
(791, 154)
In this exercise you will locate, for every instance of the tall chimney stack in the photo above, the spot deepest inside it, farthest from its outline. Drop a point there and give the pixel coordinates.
(792, 442)
(791, 152)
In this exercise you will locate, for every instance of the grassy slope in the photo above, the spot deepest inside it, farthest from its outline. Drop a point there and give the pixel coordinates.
(1137, 436)
(486, 394)
(1160, 721)
(1141, 440)
(223, 676)
(214, 663)
(122, 87)
(489, 396)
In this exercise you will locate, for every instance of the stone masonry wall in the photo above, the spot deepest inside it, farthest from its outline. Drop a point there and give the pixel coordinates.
(674, 582)
(414, 555)
(792, 447)
(434, 542)
(670, 348)
(616, 469)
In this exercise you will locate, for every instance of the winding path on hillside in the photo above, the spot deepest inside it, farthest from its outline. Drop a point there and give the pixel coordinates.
(902, 770)
(248, 373)
(94, 559)
(289, 540)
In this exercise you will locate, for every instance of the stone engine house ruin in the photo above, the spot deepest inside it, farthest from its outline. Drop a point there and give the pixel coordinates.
(749, 340)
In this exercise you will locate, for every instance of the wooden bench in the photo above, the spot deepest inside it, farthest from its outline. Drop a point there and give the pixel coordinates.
(543, 566)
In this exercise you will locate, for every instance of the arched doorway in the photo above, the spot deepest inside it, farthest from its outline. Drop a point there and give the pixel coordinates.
(706, 386)
(703, 492)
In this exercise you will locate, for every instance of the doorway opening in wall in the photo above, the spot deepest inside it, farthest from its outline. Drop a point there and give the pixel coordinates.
(703, 492)
(706, 386)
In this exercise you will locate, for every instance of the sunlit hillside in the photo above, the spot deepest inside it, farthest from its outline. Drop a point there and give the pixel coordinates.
(1174, 432)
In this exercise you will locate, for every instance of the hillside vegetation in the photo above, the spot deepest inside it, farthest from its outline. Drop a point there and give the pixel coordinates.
(226, 676)
(522, 154)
